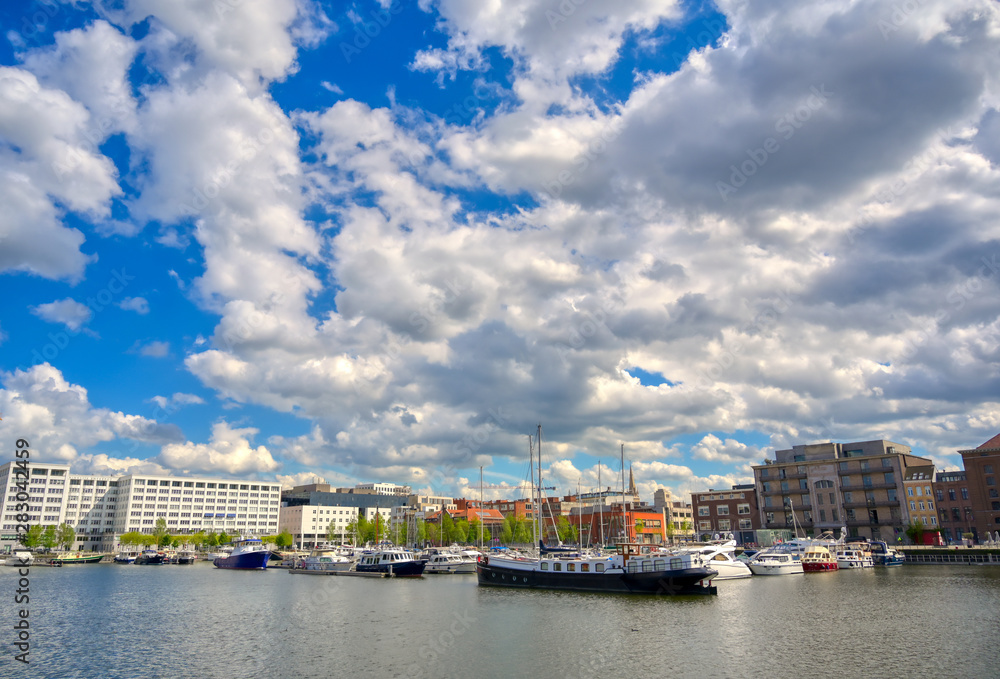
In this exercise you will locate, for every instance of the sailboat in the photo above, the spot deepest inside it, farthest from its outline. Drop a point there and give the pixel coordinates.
(632, 569)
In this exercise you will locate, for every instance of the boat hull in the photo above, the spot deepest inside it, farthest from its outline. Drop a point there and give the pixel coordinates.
(404, 569)
(674, 582)
(821, 567)
(247, 561)
(776, 569)
(78, 559)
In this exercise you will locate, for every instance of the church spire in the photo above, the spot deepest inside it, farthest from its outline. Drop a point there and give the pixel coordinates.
(631, 482)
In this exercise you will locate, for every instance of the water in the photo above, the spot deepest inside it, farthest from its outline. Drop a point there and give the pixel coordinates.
(197, 621)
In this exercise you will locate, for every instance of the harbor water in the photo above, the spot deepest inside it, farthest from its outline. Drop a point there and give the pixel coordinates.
(106, 620)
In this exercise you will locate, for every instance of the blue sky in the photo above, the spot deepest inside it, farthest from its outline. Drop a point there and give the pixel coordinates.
(371, 241)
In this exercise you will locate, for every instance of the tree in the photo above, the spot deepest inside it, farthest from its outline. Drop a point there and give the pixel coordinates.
(351, 531)
(460, 533)
(198, 539)
(49, 539)
(160, 532)
(447, 526)
(283, 540)
(332, 531)
(521, 533)
(224, 538)
(915, 531)
(507, 529)
(65, 536)
(212, 540)
(175, 543)
(639, 525)
(422, 532)
(33, 537)
(568, 533)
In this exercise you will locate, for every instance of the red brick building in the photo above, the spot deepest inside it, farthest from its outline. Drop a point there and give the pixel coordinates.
(727, 511)
(981, 467)
(954, 505)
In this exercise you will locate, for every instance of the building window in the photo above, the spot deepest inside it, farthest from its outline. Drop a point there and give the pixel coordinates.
(889, 478)
(965, 493)
(892, 495)
(987, 469)
(822, 515)
(886, 463)
(848, 497)
(909, 491)
(913, 506)
(704, 511)
(940, 495)
(722, 510)
(951, 494)
(991, 481)
(743, 509)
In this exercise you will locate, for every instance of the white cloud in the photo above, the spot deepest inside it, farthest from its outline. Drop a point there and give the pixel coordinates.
(228, 451)
(58, 419)
(137, 304)
(69, 312)
(155, 349)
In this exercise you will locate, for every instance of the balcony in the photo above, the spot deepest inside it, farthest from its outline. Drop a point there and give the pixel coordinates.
(871, 486)
(792, 475)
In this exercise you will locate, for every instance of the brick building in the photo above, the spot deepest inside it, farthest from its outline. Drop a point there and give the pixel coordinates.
(724, 512)
(981, 466)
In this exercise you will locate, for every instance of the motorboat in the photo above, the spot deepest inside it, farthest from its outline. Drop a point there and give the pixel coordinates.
(149, 557)
(394, 561)
(632, 569)
(19, 557)
(818, 559)
(853, 557)
(884, 555)
(775, 562)
(325, 560)
(721, 556)
(185, 557)
(449, 563)
(249, 554)
(127, 556)
(76, 558)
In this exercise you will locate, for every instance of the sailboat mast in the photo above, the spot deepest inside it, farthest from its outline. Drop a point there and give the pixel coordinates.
(624, 517)
(480, 509)
(538, 507)
(600, 497)
(531, 476)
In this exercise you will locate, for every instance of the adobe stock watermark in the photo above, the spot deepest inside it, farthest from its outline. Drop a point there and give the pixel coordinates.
(901, 13)
(564, 10)
(765, 320)
(203, 196)
(912, 170)
(786, 126)
(59, 341)
(596, 147)
(592, 322)
(366, 31)
(443, 639)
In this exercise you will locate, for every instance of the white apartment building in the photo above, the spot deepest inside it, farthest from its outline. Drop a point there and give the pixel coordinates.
(383, 488)
(100, 508)
(309, 524)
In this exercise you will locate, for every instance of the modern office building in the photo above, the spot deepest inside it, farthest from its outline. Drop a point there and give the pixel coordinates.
(825, 486)
(101, 507)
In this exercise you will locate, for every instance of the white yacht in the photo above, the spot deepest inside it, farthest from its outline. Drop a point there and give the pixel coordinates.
(775, 562)
(325, 560)
(721, 556)
(850, 557)
(449, 563)
(20, 557)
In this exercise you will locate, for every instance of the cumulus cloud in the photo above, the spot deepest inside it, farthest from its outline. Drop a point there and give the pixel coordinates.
(59, 420)
(137, 304)
(69, 312)
(228, 451)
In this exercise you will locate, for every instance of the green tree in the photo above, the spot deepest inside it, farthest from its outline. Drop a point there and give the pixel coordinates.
(65, 536)
(175, 543)
(447, 526)
(460, 533)
(433, 533)
(49, 538)
(422, 532)
(522, 534)
(915, 531)
(224, 538)
(472, 537)
(212, 540)
(284, 540)
(332, 531)
(33, 537)
(507, 529)
(639, 525)
(160, 532)
(198, 539)
(351, 531)
(568, 533)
